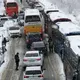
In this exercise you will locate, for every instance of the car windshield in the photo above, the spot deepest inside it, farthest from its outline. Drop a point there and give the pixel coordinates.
(32, 18)
(34, 36)
(33, 72)
(52, 11)
(11, 4)
(72, 34)
(14, 28)
(32, 55)
(62, 20)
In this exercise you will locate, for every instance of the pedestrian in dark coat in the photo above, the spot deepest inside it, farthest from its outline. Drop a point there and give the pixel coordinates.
(17, 60)
(4, 41)
(50, 44)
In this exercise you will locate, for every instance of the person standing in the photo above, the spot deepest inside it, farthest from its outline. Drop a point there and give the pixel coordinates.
(17, 60)
(4, 41)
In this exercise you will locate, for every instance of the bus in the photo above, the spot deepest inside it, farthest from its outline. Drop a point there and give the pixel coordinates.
(33, 21)
(11, 7)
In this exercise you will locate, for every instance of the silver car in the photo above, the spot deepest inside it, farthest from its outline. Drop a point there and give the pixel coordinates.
(32, 58)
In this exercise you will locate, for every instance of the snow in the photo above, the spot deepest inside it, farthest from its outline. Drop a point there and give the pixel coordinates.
(4, 65)
(75, 44)
(66, 6)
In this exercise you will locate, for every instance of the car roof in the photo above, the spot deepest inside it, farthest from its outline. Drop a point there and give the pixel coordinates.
(33, 68)
(38, 44)
(30, 52)
(29, 12)
(32, 34)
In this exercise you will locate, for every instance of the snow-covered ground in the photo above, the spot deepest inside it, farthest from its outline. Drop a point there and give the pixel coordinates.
(6, 61)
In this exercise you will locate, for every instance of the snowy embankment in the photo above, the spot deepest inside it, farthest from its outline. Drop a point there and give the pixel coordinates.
(6, 61)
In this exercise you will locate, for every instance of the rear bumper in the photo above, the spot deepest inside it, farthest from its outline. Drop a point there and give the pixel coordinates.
(32, 64)
(16, 35)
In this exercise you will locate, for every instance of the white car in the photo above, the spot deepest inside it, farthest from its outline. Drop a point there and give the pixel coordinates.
(14, 31)
(33, 58)
(33, 73)
(74, 39)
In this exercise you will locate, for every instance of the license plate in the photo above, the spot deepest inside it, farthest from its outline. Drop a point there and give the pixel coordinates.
(31, 60)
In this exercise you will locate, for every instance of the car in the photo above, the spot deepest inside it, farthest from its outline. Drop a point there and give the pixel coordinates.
(41, 46)
(33, 58)
(14, 31)
(39, 7)
(33, 73)
(3, 19)
(33, 37)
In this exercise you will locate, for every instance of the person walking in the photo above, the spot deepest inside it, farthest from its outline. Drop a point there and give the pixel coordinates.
(17, 60)
(50, 44)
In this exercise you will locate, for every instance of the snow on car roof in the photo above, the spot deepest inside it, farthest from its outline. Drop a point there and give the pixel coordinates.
(67, 27)
(33, 68)
(30, 52)
(75, 43)
(57, 15)
(32, 12)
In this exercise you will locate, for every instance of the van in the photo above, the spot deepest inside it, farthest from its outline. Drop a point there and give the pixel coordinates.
(33, 21)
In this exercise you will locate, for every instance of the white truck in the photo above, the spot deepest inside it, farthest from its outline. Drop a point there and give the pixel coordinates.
(14, 32)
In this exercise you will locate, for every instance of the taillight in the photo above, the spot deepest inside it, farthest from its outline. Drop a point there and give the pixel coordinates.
(41, 30)
(40, 75)
(26, 76)
(24, 59)
(41, 39)
(27, 41)
(38, 59)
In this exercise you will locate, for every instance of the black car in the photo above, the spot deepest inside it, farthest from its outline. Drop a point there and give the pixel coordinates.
(33, 37)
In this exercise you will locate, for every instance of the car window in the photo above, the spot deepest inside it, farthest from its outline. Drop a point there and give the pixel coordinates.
(32, 55)
(32, 18)
(14, 28)
(34, 36)
(62, 20)
(33, 72)
(72, 34)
